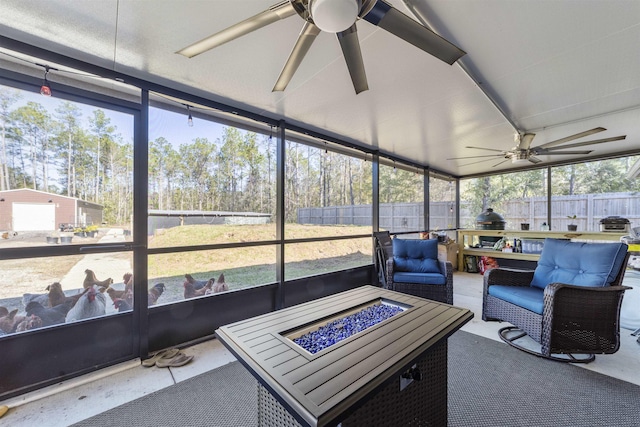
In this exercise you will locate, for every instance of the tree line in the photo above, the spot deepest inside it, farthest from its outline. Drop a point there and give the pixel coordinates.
(595, 177)
(63, 152)
(54, 151)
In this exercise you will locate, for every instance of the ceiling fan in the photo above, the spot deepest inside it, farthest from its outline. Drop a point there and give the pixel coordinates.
(339, 17)
(524, 153)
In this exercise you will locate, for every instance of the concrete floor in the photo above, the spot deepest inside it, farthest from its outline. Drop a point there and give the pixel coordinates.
(74, 400)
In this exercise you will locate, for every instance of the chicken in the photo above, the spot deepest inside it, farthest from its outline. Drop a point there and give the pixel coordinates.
(92, 304)
(191, 292)
(127, 278)
(121, 305)
(74, 298)
(50, 315)
(220, 285)
(9, 320)
(30, 322)
(91, 279)
(115, 294)
(197, 284)
(128, 288)
(155, 292)
(54, 297)
(56, 294)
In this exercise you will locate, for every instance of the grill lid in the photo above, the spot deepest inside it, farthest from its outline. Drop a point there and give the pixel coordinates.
(614, 220)
(489, 217)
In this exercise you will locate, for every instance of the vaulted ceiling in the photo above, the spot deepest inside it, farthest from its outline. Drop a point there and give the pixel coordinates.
(553, 68)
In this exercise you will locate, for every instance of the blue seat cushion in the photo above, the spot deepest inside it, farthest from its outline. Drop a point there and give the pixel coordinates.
(420, 278)
(523, 296)
(578, 263)
(416, 256)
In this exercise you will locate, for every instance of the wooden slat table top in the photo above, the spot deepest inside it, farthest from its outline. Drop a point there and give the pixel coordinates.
(321, 387)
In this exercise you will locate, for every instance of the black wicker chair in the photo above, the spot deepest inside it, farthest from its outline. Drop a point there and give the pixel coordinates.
(571, 321)
(420, 285)
(384, 251)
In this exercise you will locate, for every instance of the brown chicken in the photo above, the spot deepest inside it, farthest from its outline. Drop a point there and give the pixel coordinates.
(127, 278)
(115, 294)
(91, 279)
(155, 292)
(197, 284)
(56, 295)
(30, 322)
(219, 286)
(9, 320)
(191, 292)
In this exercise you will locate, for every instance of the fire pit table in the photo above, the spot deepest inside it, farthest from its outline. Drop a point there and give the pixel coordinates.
(393, 373)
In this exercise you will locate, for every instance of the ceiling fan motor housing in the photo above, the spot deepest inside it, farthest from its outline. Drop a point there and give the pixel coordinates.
(520, 155)
(334, 16)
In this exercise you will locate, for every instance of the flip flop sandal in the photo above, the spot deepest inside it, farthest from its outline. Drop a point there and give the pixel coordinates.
(180, 360)
(3, 410)
(164, 354)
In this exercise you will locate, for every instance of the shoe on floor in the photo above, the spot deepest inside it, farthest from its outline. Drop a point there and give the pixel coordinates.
(180, 359)
(164, 354)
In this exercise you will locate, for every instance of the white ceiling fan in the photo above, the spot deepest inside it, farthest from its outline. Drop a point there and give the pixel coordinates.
(339, 17)
(523, 153)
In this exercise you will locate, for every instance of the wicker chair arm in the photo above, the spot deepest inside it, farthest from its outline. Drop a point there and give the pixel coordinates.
(507, 276)
(570, 310)
(446, 267)
(390, 274)
(558, 295)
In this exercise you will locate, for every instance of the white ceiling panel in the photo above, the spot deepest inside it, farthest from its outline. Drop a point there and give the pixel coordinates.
(552, 67)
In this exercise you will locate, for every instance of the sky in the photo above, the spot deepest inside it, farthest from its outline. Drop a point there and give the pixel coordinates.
(170, 125)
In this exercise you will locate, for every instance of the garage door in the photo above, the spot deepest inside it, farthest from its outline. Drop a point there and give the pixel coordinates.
(34, 216)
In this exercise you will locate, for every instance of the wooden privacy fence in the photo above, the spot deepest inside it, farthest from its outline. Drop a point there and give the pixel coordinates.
(589, 209)
(397, 217)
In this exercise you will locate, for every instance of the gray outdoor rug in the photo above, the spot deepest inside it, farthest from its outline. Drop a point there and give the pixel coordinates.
(490, 384)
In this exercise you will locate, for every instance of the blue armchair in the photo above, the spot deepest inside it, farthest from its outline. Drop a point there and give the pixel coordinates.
(570, 304)
(416, 270)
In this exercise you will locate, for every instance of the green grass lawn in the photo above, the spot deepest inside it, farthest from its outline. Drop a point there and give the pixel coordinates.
(251, 266)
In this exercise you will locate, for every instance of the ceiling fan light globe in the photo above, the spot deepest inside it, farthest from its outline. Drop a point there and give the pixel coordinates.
(334, 16)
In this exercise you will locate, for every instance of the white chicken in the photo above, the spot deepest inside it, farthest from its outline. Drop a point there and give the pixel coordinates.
(92, 304)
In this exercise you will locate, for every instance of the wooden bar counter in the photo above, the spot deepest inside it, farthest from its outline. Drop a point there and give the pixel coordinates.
(355, 381)
(465, 240)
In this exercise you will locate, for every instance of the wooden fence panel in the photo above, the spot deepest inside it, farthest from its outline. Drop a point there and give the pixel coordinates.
(398, 217)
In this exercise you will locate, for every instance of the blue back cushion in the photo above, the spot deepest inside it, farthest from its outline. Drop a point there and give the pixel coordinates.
(576, 263)
(417, 256)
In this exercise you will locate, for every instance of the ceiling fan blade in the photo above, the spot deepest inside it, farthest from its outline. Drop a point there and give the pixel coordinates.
(486, 149)
(499, 163)
(473, 163)
(474, 157)
(525, 141)
(534, 159)
(303, 44)
(595, 141)
(553, 153)
(572, 137)
(392, 20)
(353, 56)
(278, 11)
